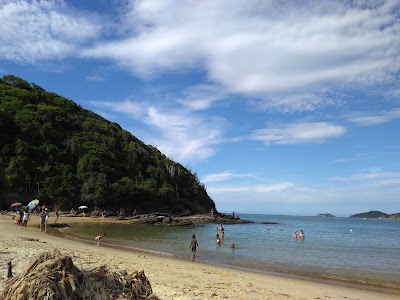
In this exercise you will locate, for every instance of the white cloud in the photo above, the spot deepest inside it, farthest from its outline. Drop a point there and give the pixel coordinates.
(201, 97)
(271, 188)
(242, 47)
(176, 133)
(297, 102)
(357, 157)
(376, 119)
(297, 133)
(223, 176)
(247, 50)
(343, 200)
(41, 30)
(369, 176)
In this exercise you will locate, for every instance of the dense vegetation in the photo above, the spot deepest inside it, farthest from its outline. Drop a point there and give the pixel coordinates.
(376, 214)
(54, 150)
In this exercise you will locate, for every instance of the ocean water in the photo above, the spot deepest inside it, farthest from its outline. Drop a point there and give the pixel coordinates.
(347, 249)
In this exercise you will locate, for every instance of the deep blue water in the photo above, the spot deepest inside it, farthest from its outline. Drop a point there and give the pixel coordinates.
(355, 249)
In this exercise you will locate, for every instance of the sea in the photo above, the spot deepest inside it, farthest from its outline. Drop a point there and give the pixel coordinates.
(353, 250)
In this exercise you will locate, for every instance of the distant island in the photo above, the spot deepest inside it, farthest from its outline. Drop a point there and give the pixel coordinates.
(374, 214)
(326, 215)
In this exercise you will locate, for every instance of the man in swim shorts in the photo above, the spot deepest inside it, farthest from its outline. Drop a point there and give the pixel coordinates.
(193, 245)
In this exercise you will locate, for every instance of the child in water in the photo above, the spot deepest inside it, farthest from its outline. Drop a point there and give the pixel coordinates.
(98, 238)
(218, 240)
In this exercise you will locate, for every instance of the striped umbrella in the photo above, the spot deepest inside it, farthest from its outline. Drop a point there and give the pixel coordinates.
(33, 204)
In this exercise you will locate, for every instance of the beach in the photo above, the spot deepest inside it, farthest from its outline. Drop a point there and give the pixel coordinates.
(170, 278)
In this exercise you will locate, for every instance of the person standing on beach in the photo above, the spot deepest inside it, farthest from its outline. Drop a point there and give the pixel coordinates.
(42, 216)
(98, 238)
(25, 218)
(193, 245)
(57, 215)
(20, 221)
(46, 218)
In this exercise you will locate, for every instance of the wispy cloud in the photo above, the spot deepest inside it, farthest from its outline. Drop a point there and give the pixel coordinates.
(291, 63)
(357, 157)
(227, 175)
(298, 133)
(175, 132)
(245, 49)
(375, 119)
(269, 188)
(369, 176)
(297, 102)
(43, 30)
(336, 198)
(201, 97)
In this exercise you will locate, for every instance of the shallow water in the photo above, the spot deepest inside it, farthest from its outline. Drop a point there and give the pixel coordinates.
(357, 250)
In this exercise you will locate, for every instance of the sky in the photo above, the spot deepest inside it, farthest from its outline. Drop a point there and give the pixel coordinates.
(279, 107)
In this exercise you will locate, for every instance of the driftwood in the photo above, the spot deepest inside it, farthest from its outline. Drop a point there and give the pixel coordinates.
(9, 270)
(52, 276)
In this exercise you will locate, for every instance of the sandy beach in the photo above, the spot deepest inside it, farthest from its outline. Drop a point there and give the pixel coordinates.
(170, 278)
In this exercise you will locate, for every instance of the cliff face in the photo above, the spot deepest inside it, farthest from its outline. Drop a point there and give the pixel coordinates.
(54, 150)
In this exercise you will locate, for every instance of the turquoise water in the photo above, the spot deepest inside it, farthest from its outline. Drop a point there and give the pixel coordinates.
(357, 250)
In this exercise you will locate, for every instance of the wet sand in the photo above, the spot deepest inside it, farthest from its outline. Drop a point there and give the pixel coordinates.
(170, 278)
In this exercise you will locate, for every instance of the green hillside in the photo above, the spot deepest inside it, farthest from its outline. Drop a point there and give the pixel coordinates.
(371, 214)
(54, 150)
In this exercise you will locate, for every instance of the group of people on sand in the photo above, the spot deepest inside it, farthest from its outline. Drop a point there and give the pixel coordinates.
(23, 218)
(25, 215)
(299, 235)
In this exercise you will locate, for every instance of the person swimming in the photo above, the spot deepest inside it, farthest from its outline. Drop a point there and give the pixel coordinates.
(218, 239)
(294, 234)
(302, 235)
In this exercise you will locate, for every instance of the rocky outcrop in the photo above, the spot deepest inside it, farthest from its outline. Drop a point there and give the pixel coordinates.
(166, 219)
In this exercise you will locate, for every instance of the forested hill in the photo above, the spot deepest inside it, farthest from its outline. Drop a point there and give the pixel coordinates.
(54, 150)
(376, 214)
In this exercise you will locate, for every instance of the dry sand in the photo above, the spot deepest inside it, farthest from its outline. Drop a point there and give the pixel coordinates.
(170, 278)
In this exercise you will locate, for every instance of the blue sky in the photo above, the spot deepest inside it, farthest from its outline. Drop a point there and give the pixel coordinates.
(280, 107)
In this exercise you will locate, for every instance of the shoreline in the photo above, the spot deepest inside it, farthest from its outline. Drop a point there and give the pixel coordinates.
(298, 272)
(174, 277)
(358, 283)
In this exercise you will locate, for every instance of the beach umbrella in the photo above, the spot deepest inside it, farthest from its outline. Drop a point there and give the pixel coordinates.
(33, 204)
(15, 205)
(83, 207)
